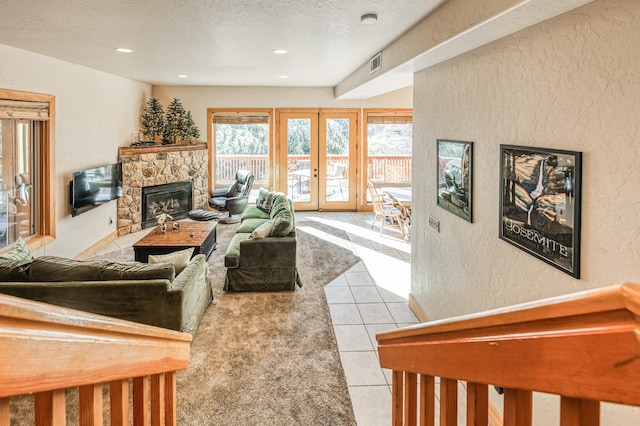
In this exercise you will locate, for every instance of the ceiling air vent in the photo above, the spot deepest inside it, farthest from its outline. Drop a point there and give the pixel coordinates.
(374, 63)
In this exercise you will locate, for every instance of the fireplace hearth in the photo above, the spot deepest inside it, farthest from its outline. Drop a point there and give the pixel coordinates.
(175, 199)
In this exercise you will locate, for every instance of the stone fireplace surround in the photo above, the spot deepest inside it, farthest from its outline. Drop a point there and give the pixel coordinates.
(156, 165)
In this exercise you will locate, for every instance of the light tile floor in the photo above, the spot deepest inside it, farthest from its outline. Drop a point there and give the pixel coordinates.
(370, 298)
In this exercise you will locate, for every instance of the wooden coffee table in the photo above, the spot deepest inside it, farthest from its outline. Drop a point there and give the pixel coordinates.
(199, 235)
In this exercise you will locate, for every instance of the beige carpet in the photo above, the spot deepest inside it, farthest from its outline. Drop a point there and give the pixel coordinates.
(269, 358)
(259, 358)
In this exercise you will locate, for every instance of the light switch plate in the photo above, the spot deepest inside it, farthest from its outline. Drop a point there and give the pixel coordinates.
(434, 223)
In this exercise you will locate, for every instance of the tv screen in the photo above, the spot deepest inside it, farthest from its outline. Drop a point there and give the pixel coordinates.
(92, 187)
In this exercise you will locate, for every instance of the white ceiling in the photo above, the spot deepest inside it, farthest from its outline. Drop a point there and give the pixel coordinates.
(213, 42)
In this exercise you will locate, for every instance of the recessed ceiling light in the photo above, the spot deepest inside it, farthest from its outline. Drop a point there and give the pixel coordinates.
(279, 51)
(369, 18)
(284, 76)
(182, 76)
(124, 50)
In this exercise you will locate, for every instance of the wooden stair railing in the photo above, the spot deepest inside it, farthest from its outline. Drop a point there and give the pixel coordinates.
(45, 349)
(583, 347)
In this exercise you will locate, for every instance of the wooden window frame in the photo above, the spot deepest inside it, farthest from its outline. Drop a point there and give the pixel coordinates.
(45, 196)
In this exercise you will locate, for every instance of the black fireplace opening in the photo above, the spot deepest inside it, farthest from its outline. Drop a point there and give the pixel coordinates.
(175, 199)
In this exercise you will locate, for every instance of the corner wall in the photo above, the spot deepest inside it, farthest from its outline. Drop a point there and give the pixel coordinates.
(568, 83)
(95, 114)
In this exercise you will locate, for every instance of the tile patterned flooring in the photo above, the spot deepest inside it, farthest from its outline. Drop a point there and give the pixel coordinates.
(369, 298)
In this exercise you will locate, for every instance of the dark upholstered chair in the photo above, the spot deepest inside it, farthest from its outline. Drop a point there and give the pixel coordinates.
(233, 199)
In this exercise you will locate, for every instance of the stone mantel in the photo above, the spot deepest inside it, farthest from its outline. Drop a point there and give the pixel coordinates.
(156, 165)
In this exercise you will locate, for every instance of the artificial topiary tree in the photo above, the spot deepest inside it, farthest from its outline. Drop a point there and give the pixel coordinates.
(174, 122)
(191, 130)
(152, 120)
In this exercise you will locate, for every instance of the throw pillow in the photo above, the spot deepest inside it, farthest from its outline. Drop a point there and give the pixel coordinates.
(262, 231)
(20, 251)
(265, 200)
(179, 259)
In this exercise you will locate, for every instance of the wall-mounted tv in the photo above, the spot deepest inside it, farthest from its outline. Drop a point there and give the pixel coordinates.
(92, 187)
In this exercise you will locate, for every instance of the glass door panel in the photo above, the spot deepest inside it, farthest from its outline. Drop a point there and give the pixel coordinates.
(337, 160)
(298, 159)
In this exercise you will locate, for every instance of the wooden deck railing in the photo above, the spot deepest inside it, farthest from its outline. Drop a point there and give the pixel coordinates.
(383, 169)
(46, 349)
(583, 347)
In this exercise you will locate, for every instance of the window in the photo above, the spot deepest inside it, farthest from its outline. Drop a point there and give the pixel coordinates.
(25, 167)
(389, 136)
(241, 141)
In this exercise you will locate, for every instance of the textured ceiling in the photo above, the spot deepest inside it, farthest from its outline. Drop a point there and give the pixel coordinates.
(213, 42)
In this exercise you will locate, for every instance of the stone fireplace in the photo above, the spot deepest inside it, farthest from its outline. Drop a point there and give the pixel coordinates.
(145, 168)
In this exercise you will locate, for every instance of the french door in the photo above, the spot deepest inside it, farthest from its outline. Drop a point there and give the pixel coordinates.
(317, 158)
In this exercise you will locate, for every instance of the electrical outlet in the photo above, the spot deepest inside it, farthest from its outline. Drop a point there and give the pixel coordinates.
(434, 223)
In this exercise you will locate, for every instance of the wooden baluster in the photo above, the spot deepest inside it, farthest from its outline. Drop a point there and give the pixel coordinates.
(396, 398)
(4, 411)
(157, 399)
(410, 398)
(50, 408)
(140, 401)
(170, 400)
(448, 402)
(427, 400)
(477, 404)
(579, 412)
(119, 399)
(517, 407)
(90, 401)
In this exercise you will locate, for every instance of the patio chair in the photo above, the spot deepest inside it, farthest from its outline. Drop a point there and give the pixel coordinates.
(336, 178)
(384, 210)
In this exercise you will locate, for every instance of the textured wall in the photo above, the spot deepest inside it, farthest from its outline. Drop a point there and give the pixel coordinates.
(95, 114)
(569, 83)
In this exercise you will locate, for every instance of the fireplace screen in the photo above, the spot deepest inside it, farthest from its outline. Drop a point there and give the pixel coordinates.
(175, 199)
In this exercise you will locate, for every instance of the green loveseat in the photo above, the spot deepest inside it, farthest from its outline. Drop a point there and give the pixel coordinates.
(144, 293)
(267, 262)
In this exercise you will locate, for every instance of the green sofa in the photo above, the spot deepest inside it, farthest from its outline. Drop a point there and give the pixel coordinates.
(144, 293)
(264, 262)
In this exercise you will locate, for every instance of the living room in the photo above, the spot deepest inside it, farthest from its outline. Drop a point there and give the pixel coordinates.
(564, 83)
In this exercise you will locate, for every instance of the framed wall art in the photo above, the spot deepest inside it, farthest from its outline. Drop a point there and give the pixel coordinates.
(540, 196)
(454, 179)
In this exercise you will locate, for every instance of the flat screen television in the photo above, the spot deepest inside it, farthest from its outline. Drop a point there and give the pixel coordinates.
(93, 187)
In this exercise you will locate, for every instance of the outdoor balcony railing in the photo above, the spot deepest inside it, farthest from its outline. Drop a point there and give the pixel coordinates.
(381, 169)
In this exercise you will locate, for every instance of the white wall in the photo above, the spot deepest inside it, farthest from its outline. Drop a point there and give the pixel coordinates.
(95, 114)
(570, 83)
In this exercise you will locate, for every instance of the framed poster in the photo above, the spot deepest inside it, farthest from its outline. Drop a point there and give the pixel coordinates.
(540, 203)
(454, 183)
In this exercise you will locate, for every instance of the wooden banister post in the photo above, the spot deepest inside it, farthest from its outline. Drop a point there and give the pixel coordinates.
(90, 397)
(119, 399)
(170, 401)
(140, 401)
(427, 400)
(4, 412)
(410, 398)
(157, 399)
(517, 407)
(50, 408)
(583, 412)
(448, 402)
(477, 404)
(396, 397)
